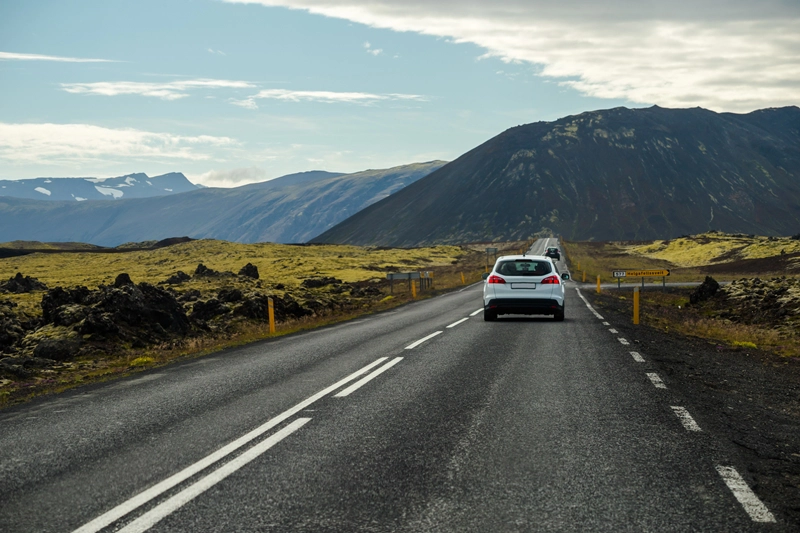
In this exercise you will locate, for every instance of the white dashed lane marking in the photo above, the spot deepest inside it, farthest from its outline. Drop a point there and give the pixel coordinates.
(623, 341)
(656, 380)
(685, 418)
(637, 357)
(417, 343)
(752, 505)
(454, 324)
(476, 312)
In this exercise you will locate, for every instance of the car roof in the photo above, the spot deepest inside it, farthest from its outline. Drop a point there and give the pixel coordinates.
(513, 257)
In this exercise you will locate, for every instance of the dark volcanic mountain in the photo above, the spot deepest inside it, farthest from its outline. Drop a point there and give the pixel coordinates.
(618, 174)
(289, 209)
(80, 189)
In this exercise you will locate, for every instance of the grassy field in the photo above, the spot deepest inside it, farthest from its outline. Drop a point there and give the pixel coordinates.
(691, 258)
(725, 257)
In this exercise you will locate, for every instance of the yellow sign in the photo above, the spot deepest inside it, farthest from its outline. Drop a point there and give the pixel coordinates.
(646, 273)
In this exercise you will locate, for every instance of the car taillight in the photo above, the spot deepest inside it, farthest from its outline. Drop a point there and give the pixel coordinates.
(495, 279)
(551, 280)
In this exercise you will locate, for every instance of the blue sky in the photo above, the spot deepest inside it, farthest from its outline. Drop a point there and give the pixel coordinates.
(230, 92)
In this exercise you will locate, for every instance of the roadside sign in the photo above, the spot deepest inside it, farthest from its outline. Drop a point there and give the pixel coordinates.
(618, 274)
(491, 250)
(647, 273)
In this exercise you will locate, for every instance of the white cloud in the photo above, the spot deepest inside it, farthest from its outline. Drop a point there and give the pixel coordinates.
(75, 143)
(327, 97)
(230, 178)
(732, 55)
(11, 56)
(373, 51)
(166, 91)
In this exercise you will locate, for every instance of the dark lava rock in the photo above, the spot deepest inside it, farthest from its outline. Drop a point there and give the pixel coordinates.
(704, 291)
(287, 307)
(361, 292)
(189, 296)
(176, 279)
(98, 323)
(57, 297)
(315, 283)
(208, 309)
(203, 270)
(20, 284)
(122, 280)
(57, 349)
(11, 330)
(255, 307)
(67, 315)
(229, 295)
(145, 306)
(249, 270)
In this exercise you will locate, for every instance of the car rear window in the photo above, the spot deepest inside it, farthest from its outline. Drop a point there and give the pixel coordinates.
(524, 267)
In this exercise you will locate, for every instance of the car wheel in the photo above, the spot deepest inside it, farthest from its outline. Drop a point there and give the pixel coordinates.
(489, 316)
(559, 316)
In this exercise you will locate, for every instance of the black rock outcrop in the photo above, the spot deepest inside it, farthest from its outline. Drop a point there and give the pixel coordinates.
(249, 270)
(20, 284)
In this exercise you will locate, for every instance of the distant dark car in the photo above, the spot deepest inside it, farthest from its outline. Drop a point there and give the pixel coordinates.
(553, 253)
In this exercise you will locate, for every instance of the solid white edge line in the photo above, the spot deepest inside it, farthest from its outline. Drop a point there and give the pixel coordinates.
(454, 324)
(358, 384)
(588, 304)
(637, 357)
(417, 343)
(145, 496)
(164, 509)
(623, 340)
(752, 505)
(686, 419)
(476, 312)
(656, 380)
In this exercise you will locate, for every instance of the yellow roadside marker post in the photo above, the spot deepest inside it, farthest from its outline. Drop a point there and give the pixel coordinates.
(584, 276)
(636, 305)
(598, 284)
(271, 307)
(463, 281)
(413, 289)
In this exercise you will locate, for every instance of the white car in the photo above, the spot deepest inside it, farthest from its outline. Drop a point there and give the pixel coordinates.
(524, 285)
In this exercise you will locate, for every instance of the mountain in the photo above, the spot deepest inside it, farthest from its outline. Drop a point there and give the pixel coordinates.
(617, 174)
(289, 209)
(82, 189)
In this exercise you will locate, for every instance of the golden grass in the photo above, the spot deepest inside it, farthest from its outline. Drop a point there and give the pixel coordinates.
(708, 248)
(276, 263)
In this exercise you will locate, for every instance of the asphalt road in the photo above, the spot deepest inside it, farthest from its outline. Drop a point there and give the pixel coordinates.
(524, 424)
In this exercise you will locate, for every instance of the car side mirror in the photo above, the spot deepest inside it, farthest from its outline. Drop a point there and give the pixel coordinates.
(485, 276)
(565, 276)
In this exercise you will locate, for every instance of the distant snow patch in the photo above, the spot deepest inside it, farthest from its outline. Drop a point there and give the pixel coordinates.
(48, 181)
(130, 181)
(42, 190)
(170, 190)
(96, 180)
(108, 191)
(148, 182)
(78, 198)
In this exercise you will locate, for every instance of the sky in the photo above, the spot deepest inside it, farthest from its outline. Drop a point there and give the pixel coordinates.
(231, 92)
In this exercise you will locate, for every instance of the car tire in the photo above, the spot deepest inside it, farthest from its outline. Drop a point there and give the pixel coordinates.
(559, 316)
(489, 316)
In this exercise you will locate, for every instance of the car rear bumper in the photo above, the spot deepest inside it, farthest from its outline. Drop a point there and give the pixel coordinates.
(524, 306)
